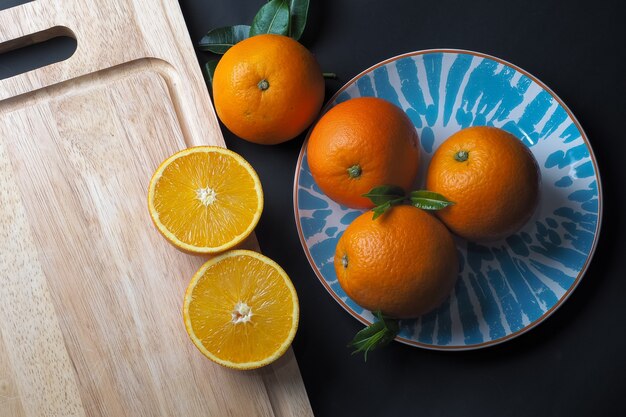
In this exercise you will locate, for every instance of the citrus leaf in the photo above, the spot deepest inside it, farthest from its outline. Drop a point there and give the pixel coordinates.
(376, 335)
(298, 11)
(209, 70)
(220, 40)
(428, 200)
(379, 210)
(384, 193)
(382, 209)
(272, 17)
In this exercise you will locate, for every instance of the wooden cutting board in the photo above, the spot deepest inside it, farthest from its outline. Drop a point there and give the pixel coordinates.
(90, 294)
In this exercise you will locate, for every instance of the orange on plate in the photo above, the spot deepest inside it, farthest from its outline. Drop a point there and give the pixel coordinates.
(491, 176)
(404, 263)
(360, 144)
(268, 89)
(241, 310)
(205, 199)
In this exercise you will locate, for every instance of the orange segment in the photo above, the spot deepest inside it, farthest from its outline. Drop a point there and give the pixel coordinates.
(205, 199)
(241, 310)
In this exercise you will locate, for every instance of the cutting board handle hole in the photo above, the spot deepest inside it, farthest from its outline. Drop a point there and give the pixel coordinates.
(36, 51)
(7, 4)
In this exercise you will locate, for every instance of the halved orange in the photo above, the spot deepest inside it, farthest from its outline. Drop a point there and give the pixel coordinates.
(205, 199)
(241, 310)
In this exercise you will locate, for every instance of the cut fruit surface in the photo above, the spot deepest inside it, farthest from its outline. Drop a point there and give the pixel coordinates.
(205, 199)
(241, 310)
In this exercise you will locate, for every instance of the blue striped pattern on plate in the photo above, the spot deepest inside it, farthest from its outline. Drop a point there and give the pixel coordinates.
(504, 287)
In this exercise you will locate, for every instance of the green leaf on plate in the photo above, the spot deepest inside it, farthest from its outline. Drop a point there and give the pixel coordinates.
(272, 17)
(376, 335)
(384, 193)
(298, 11)
(220, 40)
(428, 200)
(209, 70)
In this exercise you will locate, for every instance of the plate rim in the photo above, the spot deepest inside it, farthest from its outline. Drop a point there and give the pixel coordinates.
(548, 312)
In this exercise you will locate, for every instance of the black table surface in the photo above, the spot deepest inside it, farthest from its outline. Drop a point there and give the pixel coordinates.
(574, 363)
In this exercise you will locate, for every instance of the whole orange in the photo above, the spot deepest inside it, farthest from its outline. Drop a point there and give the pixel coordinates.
(404, 263)
(267, 89)
(360, 144)
(491, 176)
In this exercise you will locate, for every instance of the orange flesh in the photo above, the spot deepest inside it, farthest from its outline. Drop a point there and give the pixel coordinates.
(230, 332)
(206, 198)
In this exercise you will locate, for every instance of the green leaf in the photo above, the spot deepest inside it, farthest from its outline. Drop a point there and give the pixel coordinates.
(427, 200)
(209, 70)
(382, 209)
(384, 193)
(220, 40)
(272, 17)
(376, 335)
(298, 11)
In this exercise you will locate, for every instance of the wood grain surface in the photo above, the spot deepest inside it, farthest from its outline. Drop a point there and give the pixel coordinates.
(90, 294)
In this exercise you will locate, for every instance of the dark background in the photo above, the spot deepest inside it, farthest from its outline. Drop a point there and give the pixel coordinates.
(574, 364)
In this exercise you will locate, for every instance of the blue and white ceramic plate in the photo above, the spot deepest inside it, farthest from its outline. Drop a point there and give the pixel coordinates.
(507, 287)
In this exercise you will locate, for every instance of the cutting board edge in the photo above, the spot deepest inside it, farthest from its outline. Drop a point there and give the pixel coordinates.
(105, 76)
